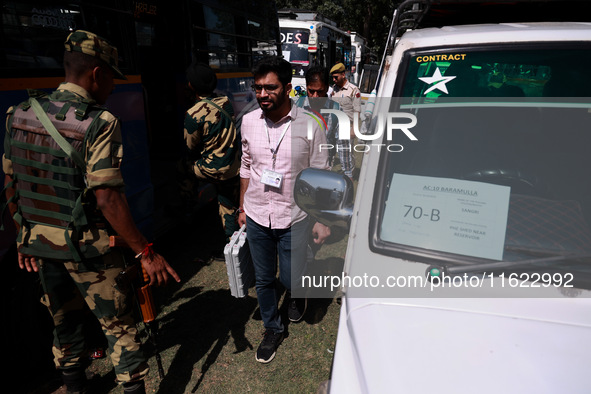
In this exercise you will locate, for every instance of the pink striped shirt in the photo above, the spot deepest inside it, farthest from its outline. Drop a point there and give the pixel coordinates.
(269, 206)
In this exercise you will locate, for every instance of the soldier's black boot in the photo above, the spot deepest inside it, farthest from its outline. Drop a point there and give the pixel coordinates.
(75, 380)
(135, 387)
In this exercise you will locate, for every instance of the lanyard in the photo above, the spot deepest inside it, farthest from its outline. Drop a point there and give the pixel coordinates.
(274, 151)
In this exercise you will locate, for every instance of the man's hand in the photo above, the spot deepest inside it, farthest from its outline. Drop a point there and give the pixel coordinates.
(241, 219)
(158, 269)
(320, 233)
(113, 205)
(27, 262)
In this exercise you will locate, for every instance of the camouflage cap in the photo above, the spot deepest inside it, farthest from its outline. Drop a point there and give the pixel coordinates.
(337, 68)
(93, 45)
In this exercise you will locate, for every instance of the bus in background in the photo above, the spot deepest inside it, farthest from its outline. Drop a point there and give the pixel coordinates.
(156, 40)
(31, 56)
(309, 39)
(360, 52)
(230, 36)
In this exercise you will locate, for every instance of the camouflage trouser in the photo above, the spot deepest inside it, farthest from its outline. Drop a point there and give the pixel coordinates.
(67, 286)
(228, 196)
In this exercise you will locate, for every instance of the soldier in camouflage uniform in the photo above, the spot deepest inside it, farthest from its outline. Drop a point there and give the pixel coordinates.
(66, 205)
(213, 142)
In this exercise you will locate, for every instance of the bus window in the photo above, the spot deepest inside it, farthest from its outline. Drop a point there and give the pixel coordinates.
(231, 36)
(222, 44)
(263, 44)
(34, 36)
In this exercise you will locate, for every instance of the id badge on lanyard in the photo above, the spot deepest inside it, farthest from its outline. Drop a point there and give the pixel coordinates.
(270, 177)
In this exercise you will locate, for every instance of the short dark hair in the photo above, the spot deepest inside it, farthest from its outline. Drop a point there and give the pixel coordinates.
(77, 63)
(202, 78)
(317, 73)
(275, 64)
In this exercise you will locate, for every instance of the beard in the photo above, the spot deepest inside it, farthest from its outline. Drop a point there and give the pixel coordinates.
(271, 102)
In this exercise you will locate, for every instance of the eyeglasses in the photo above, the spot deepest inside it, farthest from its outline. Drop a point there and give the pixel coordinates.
(318, 92)
(268, 88)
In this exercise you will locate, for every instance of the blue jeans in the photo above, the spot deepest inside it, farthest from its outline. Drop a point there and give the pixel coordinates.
(267, 246)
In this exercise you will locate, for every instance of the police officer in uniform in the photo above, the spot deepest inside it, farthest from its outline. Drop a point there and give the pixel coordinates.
(349, 98)
(66, 199)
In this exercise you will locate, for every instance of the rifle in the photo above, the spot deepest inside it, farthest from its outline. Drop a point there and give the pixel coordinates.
(125, 280)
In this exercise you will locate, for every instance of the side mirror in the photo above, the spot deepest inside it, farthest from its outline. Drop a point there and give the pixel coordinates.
(325, 195)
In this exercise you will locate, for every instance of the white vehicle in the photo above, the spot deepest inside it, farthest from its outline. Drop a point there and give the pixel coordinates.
(468, 265)
(309, 39)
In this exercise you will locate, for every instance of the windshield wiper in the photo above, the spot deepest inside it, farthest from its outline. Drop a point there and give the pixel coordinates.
(513, 264)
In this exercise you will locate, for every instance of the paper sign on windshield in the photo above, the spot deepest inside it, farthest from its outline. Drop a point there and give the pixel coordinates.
(449, 215)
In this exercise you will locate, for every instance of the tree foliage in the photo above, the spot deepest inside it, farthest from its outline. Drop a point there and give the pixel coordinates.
(369, 18)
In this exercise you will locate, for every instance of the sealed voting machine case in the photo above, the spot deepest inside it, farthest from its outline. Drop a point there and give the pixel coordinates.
(239, 264)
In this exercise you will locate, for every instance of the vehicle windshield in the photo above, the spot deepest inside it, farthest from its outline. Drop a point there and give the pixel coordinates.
(294, 47)
(501, 168)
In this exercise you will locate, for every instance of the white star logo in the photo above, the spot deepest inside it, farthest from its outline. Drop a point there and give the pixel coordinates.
(437, 81)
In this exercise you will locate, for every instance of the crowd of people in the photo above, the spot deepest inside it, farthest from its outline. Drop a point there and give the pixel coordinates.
(64, 191)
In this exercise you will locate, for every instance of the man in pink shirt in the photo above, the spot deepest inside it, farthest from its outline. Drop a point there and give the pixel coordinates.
(275, 148)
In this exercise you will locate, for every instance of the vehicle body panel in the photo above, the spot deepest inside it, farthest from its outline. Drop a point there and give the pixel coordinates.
(483, 339)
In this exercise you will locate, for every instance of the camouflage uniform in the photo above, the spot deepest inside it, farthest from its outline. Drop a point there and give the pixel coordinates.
(214, 151)
(60, 225)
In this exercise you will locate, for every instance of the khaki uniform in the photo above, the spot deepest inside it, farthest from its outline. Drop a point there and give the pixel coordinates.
(349, 99)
